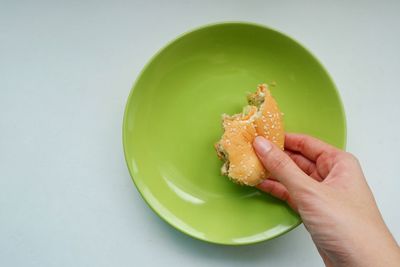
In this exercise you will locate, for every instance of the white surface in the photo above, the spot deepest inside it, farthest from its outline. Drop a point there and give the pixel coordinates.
(66, 68)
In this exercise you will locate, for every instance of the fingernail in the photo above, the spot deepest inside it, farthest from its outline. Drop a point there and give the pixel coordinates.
(262, 145)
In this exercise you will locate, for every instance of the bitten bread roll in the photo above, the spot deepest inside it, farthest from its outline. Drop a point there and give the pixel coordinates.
(261, 117)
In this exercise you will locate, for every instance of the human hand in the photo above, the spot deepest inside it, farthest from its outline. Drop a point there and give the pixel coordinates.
(326, 186)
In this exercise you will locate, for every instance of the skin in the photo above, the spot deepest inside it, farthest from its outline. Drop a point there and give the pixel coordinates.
(327, 187)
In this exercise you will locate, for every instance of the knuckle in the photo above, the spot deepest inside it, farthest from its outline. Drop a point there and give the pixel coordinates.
(310, 168)
(271, 188)
(306, 194)
(348, 157)
(278, 163)
(324, 157)
(351, 156)
(302, 143)
(285, 196)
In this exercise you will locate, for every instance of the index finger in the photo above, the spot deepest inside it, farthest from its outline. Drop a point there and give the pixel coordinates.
(309, 146)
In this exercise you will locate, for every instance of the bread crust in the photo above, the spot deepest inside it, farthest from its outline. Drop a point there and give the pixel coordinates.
(263, 118)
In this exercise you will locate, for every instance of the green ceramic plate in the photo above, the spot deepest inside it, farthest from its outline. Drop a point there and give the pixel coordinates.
(173, 118)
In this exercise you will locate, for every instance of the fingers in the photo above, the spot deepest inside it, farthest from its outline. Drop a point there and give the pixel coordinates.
(309, 146)
(305, 165)
(280, 165)
(276, 189)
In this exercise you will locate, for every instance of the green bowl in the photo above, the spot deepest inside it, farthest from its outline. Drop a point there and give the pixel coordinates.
(173, 118)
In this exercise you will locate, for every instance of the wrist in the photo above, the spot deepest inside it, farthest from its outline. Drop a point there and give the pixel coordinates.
(376, 249)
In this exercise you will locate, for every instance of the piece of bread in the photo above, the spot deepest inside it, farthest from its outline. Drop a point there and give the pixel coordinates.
(261, 117)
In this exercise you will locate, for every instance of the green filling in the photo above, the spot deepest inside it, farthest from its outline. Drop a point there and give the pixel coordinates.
(255, 99)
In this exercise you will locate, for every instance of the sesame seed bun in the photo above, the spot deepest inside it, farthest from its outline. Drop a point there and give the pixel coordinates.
(261, 117)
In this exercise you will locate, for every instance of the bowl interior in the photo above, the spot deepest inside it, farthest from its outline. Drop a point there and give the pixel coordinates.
(173, 118)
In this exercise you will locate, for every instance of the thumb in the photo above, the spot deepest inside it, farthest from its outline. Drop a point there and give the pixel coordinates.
(280, 165)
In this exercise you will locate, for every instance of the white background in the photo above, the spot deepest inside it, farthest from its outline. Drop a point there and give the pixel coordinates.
(66, 69)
